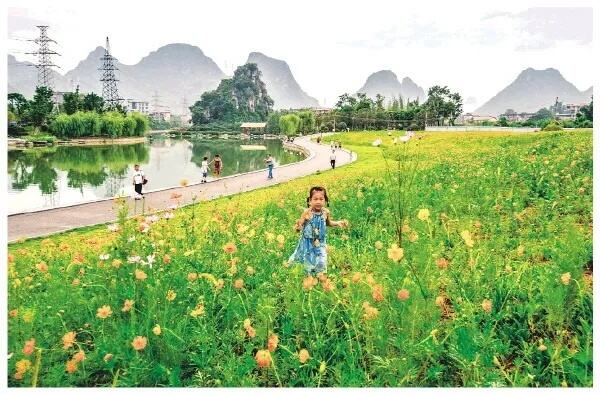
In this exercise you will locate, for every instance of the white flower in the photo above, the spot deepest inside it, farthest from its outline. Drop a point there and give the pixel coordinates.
(169, 215)
(134, 259)
(152, 218)
(113, 227)
(376, 143)
(131, 239)
(104, 257)
(150, 260)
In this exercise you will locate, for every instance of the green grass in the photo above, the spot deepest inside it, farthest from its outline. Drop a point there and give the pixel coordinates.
(526, 200)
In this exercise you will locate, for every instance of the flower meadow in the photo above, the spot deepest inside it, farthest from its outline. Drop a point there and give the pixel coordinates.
(491, 284)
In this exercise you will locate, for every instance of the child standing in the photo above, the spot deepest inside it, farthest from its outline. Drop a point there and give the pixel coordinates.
(218, 165)
(204, 169)
(312, 246)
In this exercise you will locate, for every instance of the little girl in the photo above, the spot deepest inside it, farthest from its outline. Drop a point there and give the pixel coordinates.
(204, 169)
(312, 246)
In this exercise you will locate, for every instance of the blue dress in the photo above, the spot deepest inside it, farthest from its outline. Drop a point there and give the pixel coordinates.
(311, 250)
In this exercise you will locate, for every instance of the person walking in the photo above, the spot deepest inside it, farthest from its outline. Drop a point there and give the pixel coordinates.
(139, 179)
(270, 162)
(332, 158)
(218, 166)
(204, 169)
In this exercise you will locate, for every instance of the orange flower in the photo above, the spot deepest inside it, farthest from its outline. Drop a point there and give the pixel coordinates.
(309, 282)
(166, 259)
(370, 312)
(29, 347)
(139, 343)
(79, 356)
(356, 277)
(328, 285)
(303, 355)
(171, 295)
(192, 276)
(229, 248)
(42, 267)
(71, 366)
(127, 305)
(140, 275)
(377, 292)
(486, 305)
(107, 357)
(395, 253)
(442, 263)
(249, 329)
(403, 294)
(250, 270)
(565, 278)
(68, 340)
(272, 342)
(11, 258)
(13, 313)
(238, 284)
(104, 312)
(23, 366)
(263, 358)
(219, 283)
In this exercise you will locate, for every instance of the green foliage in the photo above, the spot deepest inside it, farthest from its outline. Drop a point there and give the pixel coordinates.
(307, 122)
(553, 126)
(40, 108)
(18, 105)
(72, 102)
(91, 124)
(288, 124)
(241, 98)
(93, 102)
(442, 104)
(273, 123)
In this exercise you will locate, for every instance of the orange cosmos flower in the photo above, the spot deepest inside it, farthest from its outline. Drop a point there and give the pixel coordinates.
(139, 343)
(42, 267)
(166, 259)
(198, 311)
(442, 263)
(140, 275)
(192, 276)
(107, 357)
(29, 347)
(171, 295)
(486, 305)
(377, 292)
(309, 282)
(79, 356)
(403, 294)
(303, 355)
(272, 342)
(356, 277)
(263, 358)
(370, 312)
(328, 285)
(68, 340)
(565, 278)
(229, 248)
(238, 284)
(395, 253)
(71, 366)
(127, 305)
(104, 312)
(13, 313)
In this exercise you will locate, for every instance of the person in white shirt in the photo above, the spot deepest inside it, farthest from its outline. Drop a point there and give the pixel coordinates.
(204, 169)
(332, 159)
(139, 179)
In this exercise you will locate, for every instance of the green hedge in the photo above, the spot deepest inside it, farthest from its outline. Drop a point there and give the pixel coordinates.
(91, 124)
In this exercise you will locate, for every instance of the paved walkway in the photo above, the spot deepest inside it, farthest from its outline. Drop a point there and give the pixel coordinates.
(42, 223)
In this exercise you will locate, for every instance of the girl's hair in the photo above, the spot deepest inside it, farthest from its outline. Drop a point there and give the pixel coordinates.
(317, 189)
(206, 158)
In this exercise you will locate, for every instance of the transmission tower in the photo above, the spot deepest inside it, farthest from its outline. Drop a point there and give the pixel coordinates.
(44, 64)
(156, 103)
(110, 92)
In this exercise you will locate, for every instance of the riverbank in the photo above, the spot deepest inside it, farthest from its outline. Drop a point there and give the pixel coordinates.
(16, 143)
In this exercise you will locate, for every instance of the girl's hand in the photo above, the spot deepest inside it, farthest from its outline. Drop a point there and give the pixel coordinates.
(343, 223)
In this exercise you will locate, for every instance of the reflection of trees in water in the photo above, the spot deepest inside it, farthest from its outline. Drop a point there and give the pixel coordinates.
(84, 165)
(236, 160)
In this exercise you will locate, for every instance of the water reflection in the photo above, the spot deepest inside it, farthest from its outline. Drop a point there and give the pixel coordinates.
(56, 176)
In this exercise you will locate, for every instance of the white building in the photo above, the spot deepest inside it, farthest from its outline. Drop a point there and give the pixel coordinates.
(142, 107)
(160, 116)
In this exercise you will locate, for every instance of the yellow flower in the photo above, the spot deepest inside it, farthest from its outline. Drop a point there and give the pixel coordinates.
(486, 305)
(303, 355)
(198, 310)
(140, 275)
(229, 248)
(171, 295)
(280, 239)
(263, 358)
(156, 330)
(565, 278)
(466, 236)
(423, 214)
(23, 365)
(139, 343)
(378, 245)
(395, 253)
(127, 305)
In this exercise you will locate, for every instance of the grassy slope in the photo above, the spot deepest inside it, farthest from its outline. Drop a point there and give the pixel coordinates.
(526, 199)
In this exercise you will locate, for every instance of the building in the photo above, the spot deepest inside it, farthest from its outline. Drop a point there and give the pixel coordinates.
(142, 107)
(160, 116)
(513, 116)
(570, 110)
(320, 110)
(253, 127)
(474, 118)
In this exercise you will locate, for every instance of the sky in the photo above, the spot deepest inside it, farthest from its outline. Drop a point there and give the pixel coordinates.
(475, 48)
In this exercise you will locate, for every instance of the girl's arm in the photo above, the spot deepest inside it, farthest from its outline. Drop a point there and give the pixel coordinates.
(303, 218)
(341, 223)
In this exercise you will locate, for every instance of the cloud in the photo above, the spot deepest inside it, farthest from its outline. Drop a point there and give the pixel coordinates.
(20, 21)
(546, 27)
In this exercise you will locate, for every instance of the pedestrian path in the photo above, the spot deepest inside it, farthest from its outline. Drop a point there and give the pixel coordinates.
(46, 222)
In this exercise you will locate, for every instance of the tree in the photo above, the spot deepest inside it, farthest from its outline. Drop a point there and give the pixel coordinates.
(503, 122)
(18, 105)
(442, 104)
(93, 102)
(72, 102)
(307, 121)
(288, 124)
(41, 106)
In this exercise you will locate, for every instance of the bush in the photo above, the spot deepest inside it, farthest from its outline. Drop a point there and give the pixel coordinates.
(129, 125)
(552, 126)
(141, 123)
(112, 124)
